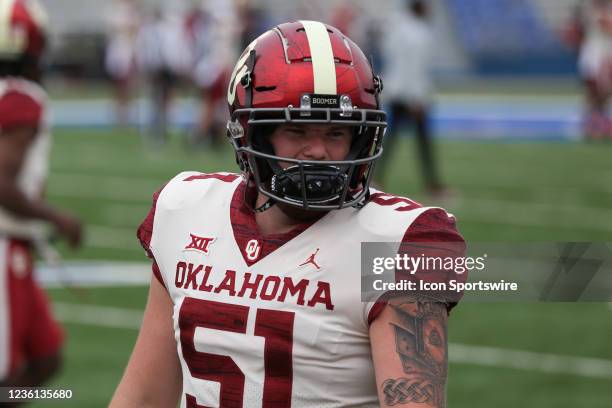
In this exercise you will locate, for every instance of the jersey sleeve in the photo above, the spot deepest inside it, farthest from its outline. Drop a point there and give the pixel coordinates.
(18, 109)
(432, 235)
(144, 234)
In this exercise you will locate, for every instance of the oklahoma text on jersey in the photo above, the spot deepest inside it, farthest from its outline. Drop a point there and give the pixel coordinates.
(255, 286)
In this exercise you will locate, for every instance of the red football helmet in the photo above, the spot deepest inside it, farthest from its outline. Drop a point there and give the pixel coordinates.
(22, 29)
(306, 72)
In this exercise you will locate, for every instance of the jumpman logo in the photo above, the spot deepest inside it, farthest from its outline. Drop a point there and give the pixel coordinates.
(311, 260)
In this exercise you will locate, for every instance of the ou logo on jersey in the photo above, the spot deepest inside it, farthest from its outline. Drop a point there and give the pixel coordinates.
(252, 249)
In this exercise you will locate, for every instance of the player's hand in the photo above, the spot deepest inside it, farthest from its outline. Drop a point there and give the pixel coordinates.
(69, 227)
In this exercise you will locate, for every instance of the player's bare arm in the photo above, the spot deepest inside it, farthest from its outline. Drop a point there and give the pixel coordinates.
(14, 144)
(410, 352)
(153, 375)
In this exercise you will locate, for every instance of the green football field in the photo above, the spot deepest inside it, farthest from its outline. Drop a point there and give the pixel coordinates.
(502, 355)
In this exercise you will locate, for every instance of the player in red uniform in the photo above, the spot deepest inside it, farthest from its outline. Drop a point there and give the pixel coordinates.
(255, 299)
(30, 340)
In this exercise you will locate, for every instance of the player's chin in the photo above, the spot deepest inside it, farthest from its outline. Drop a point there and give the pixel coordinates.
(300, 214)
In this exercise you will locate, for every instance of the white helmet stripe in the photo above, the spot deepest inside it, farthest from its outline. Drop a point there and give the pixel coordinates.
(323, 65)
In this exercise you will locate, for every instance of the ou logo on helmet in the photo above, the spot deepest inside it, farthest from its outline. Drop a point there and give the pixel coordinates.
(252, 249)
(239, 70)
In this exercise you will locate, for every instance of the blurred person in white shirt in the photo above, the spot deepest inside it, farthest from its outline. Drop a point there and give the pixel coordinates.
(407, 51)
(164, 56)
(216, 39)
(591, 31)
(120, 59)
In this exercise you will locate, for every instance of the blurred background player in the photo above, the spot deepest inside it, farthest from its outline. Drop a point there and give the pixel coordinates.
(120, 58)
(216, 35)
(164, 58)
(591, 30)
(30, 340)
(407, 51)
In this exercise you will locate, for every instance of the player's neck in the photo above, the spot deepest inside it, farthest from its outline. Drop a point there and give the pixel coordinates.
(276, 221)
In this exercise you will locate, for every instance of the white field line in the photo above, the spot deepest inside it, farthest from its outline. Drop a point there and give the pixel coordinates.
(113, 317)
(94, 274)
(531, 361)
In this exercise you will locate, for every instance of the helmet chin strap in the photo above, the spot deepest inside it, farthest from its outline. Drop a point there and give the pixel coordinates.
(265, 206)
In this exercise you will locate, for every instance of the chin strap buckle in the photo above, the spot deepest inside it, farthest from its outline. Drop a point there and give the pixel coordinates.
(269, 203)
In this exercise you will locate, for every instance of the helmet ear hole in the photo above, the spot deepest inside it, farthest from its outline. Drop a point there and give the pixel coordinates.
(366, 145)
(260, 141)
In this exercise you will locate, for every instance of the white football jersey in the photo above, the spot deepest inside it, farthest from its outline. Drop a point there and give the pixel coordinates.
(261, 328)
(595, 60)
(18, 98)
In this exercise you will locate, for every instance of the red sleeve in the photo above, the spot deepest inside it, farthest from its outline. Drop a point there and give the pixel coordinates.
(18, 109)
(144, 234)
(433, 234)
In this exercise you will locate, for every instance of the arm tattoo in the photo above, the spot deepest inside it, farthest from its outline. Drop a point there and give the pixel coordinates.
(402, 390)
(420, 340)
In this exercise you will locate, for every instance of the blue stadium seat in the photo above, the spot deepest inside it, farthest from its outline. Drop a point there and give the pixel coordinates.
(504, 31)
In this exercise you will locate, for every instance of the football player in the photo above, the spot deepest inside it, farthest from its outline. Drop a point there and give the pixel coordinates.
(215, 43)
(120, 57)
(410, 90)
(30, 340)
(591, 30)
(255, 295)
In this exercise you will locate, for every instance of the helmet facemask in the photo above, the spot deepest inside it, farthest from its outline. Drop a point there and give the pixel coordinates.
(309, 184)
